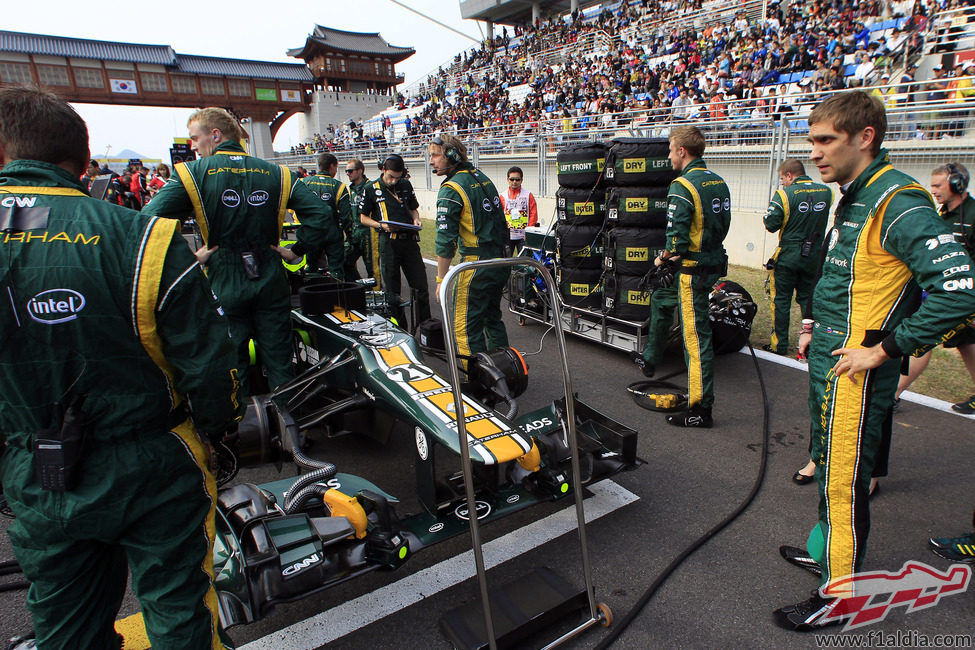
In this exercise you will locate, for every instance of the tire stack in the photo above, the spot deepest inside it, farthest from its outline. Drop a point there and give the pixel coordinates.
(639, 174)
(580, 211)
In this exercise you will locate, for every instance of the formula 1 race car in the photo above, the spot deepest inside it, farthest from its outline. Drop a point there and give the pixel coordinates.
(360, 373)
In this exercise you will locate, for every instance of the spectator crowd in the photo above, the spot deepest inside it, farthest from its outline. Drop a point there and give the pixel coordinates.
(650, 62)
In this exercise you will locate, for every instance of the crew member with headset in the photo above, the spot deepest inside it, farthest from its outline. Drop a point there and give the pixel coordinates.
(359, 243)
(389, 205)
(949, 185)
(336, 194)
(470, 218)
(239, 203)
(698, 219)
(798, 212)
(115, 367)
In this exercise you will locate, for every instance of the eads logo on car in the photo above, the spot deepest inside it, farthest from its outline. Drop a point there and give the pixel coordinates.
(55, 306)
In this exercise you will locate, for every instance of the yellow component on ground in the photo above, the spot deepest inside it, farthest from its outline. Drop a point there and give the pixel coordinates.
(664, 401)
(532, 461)
(342, 505)
(133, 630)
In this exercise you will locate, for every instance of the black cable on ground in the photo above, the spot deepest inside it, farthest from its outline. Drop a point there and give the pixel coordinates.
(14, 586)
(701, 541)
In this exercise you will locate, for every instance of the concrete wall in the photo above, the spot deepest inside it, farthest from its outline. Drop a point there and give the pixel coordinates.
(337, 108)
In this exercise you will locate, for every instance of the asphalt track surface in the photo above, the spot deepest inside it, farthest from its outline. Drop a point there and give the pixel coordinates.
(723, 595)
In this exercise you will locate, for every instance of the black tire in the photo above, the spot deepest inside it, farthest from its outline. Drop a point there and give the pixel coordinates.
(581, 288)
(579, 247)
(639, 162)
(578, 207)
(581, 165)
(631, 251)
(642, 207)
(629, 301)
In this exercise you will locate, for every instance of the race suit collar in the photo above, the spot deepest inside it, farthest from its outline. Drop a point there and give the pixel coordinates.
(467, 166)
(804, 178)
(866, 177)
(697, 163)
(38, 174)
(229, 146)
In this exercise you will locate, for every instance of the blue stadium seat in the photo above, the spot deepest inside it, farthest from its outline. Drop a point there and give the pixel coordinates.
(850, 70)
(798, 127)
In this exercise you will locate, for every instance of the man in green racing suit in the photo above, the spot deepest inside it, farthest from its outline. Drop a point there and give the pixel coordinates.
(239, 203)
(798, 212)
(115, 361)
(334, 192)
(470, 217)
(886, 243)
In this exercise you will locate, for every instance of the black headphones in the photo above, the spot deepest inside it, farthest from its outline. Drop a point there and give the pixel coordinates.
(449, 151)
(397, 161)
(957, 179)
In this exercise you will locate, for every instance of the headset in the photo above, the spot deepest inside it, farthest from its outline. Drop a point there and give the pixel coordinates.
(392, 157)
(449, 151)
(957, 179)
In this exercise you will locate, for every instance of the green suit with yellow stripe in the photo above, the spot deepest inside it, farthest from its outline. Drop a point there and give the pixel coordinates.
(698, 219)
(360, 241)
(799, 214)
(887, 240)
(336, 194)
(470, 218)
(240, 203)
(103, 303)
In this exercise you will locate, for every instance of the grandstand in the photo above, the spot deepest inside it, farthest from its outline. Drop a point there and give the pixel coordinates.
(656, 43)
(637, 68)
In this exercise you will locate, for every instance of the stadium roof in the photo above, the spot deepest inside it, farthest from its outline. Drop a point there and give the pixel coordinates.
(355, 42)
(157, 54)
(515, 12)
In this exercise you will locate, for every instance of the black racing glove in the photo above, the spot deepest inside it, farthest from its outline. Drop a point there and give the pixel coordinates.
(661, 277)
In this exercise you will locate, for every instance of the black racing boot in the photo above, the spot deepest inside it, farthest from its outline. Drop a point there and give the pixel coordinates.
(696, 416)
(800, 558)
(645, 366)
(808, 615)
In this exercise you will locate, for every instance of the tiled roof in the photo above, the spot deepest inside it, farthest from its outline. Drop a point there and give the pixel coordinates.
(85, 48)
(364, 43)
(239, 68)
(158, 54)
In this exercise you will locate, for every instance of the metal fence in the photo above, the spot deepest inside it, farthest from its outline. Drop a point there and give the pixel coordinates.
(746, 151)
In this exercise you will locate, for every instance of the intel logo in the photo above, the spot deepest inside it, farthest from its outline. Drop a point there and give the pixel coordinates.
(55, 306)
(259, 197)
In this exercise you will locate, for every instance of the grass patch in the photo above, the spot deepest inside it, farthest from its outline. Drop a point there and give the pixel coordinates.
(945, 377)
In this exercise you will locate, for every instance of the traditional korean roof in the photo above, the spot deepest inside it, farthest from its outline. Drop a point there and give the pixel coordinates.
(354, 42)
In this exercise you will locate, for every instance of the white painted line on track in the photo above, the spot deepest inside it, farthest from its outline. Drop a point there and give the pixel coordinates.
(907, 396)
(350, 616)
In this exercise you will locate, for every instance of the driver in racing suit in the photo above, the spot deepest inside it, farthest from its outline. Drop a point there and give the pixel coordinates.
(108, 323)
(239, 205)
(887, 240)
